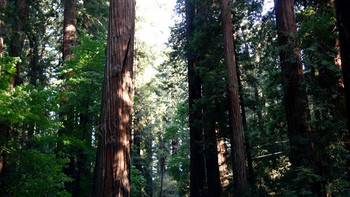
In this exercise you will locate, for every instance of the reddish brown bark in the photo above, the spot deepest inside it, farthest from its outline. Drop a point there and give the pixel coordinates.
(197, 169)
(69, 27)
(295, 96)
(222, 161)
(343, 23)
(112, 172)
(239, 163)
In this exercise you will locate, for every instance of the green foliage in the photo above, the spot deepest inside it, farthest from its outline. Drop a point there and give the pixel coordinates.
(7, 70)
(34, 173)
(137, 182)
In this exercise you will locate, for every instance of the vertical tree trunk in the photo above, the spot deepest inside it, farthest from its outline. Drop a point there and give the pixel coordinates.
(343, 23)
(197, 170)
(222, 161)
(69, 27)
(112, 173)
(245, 129)
(211, 157)
(18, 38)
(239, 163)
(69, 38)
(295, 96)
(2, 26)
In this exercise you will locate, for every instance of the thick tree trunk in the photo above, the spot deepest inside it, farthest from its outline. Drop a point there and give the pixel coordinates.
(239, 163)
(197, 170)
(18, 38)
(69, 27)
(295, 96)
(112, 173)
(343, 23)
(222, 161)
(211, 157)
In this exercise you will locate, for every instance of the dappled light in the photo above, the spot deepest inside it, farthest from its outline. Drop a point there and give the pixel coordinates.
(174, 98)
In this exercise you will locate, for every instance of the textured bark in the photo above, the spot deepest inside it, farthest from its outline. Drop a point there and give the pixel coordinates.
(343, 23)
(69, 27)
(197, 170)
(112, 173)
(18, 38)
(295, 96)
(239, 163)
(222, 161)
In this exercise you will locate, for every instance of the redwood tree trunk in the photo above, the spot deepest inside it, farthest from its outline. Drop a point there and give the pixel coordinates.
(69, 38)
(211, 158)
(197, 170)
(295, 96)
(112, 173)
(343, 16)
(239, 163)
(69, 25)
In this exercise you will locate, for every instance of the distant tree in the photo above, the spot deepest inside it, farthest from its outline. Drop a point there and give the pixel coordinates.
(112, 172)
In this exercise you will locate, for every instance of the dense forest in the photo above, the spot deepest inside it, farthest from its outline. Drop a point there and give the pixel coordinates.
(249, 98)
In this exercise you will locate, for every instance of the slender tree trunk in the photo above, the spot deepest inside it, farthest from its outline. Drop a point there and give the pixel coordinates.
(343, 23)
(112, 173)
(148, 169)
(295, 96)
(34, 59)
(162, 172)
(245, 129)
(239, 162)
(197, 170)
(69, 27)
(67, 116)
(18, 38)
(2, 27)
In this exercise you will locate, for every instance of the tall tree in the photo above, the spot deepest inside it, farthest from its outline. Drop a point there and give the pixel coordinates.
(112, 172)
(69, 38)
(295, 96)
(239, 162)
(197, 172)
(343, 23)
